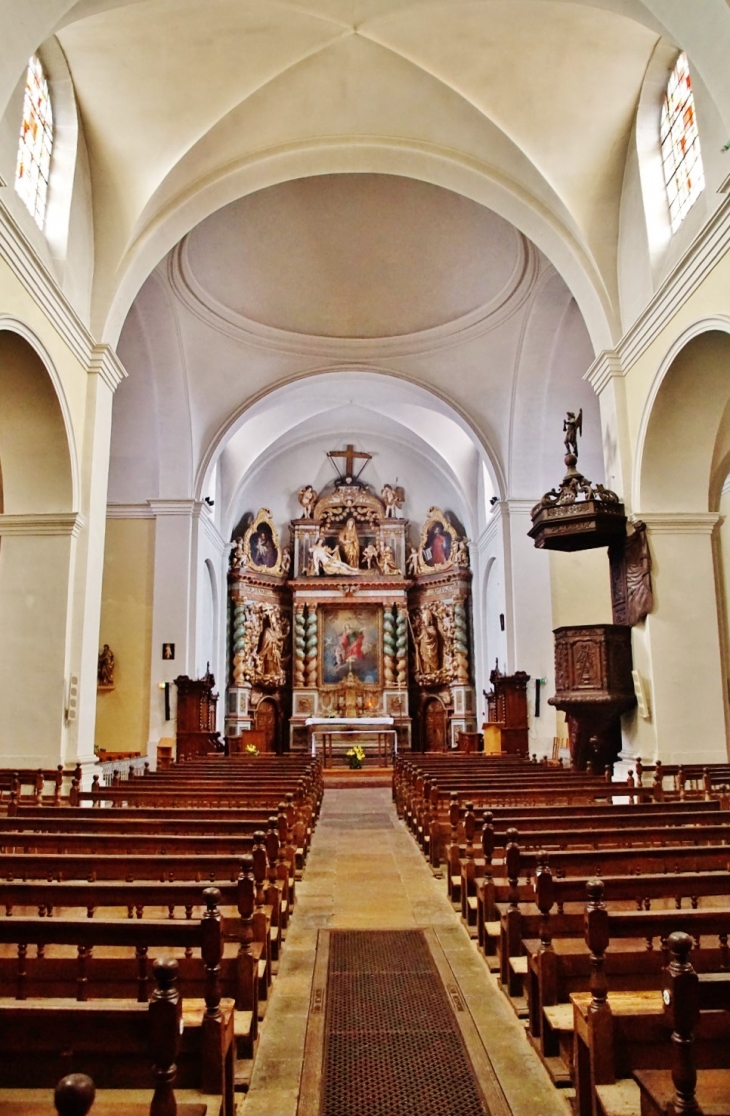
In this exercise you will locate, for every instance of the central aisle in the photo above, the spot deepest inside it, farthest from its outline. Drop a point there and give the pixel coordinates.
(365, 872)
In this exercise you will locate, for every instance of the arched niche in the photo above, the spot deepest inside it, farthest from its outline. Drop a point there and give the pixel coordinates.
(37, 530)
(675, 461)
(35, 455)
(683, 448)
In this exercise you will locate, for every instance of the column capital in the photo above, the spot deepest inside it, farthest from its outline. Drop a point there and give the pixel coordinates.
(42, 523)
(188, 508)
(105, 363)
(606, 367)
(679, 523)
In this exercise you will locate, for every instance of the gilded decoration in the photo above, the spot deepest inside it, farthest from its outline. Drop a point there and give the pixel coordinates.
(440, 643)
(440, 547)
(261, 654)
(349, 502)
(260, 549)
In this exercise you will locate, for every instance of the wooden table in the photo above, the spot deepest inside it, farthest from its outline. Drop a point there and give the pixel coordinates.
(327, 727)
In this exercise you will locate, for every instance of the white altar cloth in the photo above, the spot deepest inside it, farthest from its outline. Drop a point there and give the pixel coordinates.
(330, 726)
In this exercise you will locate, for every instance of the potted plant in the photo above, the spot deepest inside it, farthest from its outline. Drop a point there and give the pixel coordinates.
(355, 757)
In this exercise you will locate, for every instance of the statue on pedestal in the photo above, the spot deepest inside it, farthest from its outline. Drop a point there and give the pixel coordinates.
(105, 668)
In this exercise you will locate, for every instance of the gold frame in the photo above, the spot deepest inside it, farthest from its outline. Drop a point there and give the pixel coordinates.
(263, 516)
(435, 515)
(325, 609)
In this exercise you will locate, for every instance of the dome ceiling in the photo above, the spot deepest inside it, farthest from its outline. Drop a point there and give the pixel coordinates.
(350, 256)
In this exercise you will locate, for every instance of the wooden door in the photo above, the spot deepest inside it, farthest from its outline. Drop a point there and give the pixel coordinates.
(434, 726)
(266, 722)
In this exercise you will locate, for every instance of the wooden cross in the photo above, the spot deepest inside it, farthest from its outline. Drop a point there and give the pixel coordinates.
(349, 453)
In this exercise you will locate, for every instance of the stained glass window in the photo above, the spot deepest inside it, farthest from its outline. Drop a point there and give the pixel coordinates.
(36, 142)
(683, 172)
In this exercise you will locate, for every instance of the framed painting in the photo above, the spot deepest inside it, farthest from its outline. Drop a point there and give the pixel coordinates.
(438, 539)
(350, 641)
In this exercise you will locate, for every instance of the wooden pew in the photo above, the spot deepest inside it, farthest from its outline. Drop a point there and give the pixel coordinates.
(553, 973)
(616, 1033)
(685, 996)
(207, 1056)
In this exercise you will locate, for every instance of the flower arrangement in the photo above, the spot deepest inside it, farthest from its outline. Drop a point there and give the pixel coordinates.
(251, 750)
(355, 757)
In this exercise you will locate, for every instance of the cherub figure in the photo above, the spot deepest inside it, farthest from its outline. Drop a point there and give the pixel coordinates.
(413, 562)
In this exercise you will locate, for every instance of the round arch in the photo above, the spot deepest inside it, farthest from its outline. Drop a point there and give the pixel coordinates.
(252, 411)
(683, 420)
(159, 232)
(40, 463)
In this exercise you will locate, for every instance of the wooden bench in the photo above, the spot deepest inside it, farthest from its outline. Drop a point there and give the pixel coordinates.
(616, 1033)
(48, 1016)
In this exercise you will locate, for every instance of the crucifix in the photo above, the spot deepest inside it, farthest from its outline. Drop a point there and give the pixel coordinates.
(350, 454)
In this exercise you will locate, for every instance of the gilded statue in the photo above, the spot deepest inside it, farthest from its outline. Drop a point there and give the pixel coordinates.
(239, 558)
(350, 543)
(105, 668)
(427, 643)
(386, 561)
(307, 498)
(271, 647)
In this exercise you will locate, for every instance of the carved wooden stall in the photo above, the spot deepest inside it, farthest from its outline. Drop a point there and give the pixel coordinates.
(506, 728)
(196, 716)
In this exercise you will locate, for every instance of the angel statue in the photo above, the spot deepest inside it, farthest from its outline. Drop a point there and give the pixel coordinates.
(393, 499)
(307, 498)
(573, 427)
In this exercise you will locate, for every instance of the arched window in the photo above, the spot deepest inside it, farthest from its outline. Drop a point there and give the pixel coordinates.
(36, 142)
(680, 142)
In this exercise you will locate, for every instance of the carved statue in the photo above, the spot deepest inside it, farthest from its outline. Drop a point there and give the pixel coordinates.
(327, 560)
(286, 560)
(460, 553)
(350, 543)
(239, 558)
(105, 669)
(393, 499)
(413, 562)
(427, 643)
(370, 555)
(270, 647)
(386, 561)
(307, 498)
(573, 427)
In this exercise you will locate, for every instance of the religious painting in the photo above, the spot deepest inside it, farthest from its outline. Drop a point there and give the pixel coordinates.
(350, 644)
(438, 539)
(261, 545)
(168, 650)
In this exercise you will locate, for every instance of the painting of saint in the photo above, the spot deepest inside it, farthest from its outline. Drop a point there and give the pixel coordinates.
(350, 643)
(437, 551)
(263, 547)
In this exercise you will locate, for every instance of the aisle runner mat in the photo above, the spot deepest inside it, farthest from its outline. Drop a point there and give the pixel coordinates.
(389, 1031)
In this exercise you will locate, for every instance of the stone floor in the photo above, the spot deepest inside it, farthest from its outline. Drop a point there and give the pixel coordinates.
(364, 871)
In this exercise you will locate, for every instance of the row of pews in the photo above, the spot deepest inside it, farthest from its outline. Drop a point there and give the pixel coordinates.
(603, 908)
(141, 925)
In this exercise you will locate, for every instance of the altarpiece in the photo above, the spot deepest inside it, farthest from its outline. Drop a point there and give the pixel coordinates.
(352, 620)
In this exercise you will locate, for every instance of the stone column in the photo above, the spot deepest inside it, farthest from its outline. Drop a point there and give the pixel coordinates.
(677, 649)
(529, 616)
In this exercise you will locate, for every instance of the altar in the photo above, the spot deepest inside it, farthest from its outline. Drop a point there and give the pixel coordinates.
(382, 728)
(352, 627)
